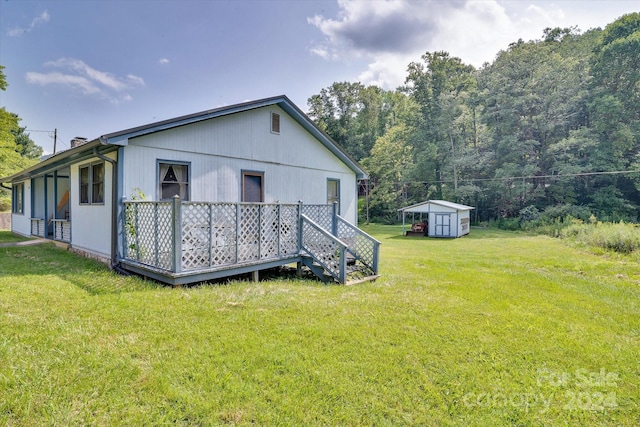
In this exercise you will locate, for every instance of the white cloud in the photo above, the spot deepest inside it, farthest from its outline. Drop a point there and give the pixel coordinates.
(78, 75)
(391, 34)
(38, 20)
(163, 61)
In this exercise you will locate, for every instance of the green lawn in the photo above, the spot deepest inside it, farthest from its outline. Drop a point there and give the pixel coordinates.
(492, 329)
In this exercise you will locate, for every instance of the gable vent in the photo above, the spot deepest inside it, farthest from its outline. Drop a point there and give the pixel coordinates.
(275, 123)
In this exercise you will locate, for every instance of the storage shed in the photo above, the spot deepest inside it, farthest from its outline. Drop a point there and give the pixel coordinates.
(444, 219)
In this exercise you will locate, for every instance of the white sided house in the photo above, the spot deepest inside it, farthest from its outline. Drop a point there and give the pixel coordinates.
(444, 219)
(226, 191)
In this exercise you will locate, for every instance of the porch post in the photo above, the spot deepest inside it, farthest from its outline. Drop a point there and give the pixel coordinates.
(176, 221)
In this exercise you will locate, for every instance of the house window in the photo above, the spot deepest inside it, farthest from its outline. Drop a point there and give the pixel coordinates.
(333, 192)
(17, 207)
(97, 183)
(252, 187)
(275, 123)
(173, 180)
(92, 184)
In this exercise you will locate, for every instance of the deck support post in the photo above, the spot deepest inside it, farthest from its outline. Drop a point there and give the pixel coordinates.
(334, 219)
(256, 276)
(176, 235)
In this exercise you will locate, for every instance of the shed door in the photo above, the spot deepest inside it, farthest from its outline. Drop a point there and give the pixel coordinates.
(442, 225)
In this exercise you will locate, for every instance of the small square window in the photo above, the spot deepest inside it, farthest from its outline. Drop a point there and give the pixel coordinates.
(173, 181)
(275, 123)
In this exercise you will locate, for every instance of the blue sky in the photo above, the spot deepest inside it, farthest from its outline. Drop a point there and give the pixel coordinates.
(93, 67)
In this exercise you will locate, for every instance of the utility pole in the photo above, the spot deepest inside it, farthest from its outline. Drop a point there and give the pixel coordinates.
(55, 140)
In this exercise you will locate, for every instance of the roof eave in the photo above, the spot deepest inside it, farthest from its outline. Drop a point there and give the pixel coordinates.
(54, 162)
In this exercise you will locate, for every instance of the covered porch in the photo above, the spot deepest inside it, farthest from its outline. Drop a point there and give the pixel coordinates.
(50, 207)
(185, 242)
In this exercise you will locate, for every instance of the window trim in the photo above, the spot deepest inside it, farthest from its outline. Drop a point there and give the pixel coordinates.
(159, 181)
(17, 203)
(273, 116)
(90, 183)
(331, 200)
(246, 173)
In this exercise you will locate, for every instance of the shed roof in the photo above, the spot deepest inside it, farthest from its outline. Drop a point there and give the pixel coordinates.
(426, 207)
(121, 138)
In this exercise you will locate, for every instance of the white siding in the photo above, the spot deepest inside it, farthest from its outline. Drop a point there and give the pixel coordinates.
(91, 224)
(295, 165)
(21, 223)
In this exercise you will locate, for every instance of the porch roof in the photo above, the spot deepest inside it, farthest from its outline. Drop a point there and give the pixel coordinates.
(61, 159)
(426, 207)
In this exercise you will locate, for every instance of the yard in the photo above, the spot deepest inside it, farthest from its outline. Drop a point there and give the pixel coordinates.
(495, 328)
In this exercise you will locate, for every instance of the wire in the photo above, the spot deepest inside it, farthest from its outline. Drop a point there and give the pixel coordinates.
(524, 177)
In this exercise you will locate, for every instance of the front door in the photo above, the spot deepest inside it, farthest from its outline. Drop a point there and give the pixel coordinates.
(442, 225)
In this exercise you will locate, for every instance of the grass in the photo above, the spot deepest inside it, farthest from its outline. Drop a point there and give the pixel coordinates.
(496, 328)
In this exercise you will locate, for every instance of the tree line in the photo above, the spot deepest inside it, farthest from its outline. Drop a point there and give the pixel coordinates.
(17, 149)
(551, 125)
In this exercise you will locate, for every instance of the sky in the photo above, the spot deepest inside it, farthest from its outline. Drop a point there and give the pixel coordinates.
(88, 68)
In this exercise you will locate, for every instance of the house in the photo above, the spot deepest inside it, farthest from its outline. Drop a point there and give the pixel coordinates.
(444, 219)
(225, 191)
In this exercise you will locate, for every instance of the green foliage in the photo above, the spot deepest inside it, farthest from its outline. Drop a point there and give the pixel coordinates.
(617, 237)
(17, 150)
(5, 203)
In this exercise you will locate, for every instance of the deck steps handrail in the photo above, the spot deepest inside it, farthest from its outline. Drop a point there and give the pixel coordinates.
(364, 247)
(325, 248)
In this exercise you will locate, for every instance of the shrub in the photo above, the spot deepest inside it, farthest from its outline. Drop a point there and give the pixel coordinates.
(5, 204)
(618, 237)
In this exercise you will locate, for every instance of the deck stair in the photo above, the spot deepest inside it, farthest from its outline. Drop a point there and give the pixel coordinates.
(346, 255)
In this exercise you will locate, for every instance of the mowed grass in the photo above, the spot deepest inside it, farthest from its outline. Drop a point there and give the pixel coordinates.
(495, 328)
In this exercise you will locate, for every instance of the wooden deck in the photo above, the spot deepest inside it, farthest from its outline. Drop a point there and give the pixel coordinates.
(185, 242)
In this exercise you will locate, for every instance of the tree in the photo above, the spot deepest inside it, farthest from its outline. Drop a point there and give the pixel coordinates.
(440, 86)
(17, 151)
(614, 109)
(387, 166)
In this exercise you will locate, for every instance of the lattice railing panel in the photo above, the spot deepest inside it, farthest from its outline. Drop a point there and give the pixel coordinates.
(249, 233)
(324, 248)
(148, 233)
(360, 244)
(269, 231)
(289, 230)
(320, 214)
(223, 234)
(196, 235)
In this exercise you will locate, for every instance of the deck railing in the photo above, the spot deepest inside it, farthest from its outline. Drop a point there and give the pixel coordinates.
(61, 230)
(325, 248)
(180, 237)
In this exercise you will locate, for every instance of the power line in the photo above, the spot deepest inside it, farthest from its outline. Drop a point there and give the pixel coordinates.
(524, 177)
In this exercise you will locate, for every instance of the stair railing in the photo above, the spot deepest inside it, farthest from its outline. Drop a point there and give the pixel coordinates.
(326, 249)
(361, 245)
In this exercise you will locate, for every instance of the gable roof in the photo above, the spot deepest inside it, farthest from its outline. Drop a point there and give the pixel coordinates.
(426, 206)
(111, 141)
(122, 137)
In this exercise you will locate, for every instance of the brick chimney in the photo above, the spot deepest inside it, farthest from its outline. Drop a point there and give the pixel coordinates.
(78, 140)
